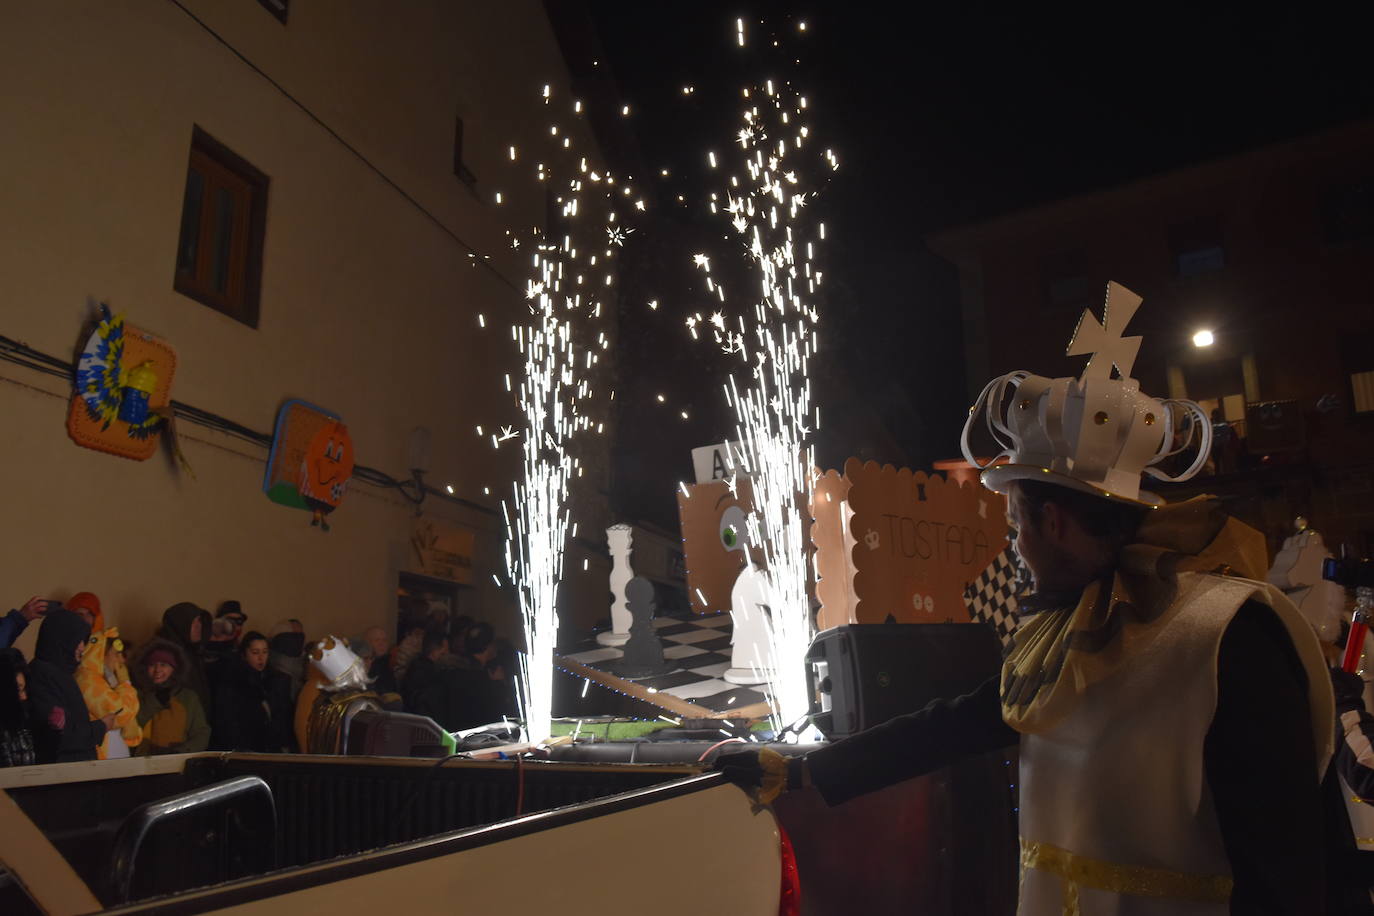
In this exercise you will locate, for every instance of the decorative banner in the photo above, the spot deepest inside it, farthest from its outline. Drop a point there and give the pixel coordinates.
(901, 544)
(123, 389)
(441, 552)
(713, 539)
(310, 462)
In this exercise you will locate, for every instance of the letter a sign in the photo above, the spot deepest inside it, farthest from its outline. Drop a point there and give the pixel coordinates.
(715, 462)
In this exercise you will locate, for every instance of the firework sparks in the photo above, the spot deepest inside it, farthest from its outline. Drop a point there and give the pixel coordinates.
(555, 387)
(774, 340)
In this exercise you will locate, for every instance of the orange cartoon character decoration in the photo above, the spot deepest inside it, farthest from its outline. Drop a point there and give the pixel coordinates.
(714, 540)
(325, 469)
(311, 461)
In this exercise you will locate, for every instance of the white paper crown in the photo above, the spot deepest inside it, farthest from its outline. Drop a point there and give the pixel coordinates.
(1094, 433)
(338, 663)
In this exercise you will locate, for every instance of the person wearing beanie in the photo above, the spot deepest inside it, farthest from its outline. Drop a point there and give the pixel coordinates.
(287, 653)
(170, 713)
(188, 626)
(87, 606)
(104, 680)
(62, 729)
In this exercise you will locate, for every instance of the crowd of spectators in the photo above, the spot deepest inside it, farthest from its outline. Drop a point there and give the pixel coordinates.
(209, 683)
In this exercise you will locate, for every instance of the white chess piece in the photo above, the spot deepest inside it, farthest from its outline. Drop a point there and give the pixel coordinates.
(750, 602)
(618, 538)
(1297, 570)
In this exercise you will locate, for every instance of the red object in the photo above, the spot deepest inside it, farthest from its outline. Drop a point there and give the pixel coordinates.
(57, 718)
(789, 897)
(1355, 644)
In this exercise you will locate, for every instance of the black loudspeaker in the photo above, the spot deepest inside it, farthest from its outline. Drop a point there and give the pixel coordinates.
(863, 674)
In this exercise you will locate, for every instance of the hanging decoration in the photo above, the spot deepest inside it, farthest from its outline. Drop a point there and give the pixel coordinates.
(123, 389)
(311, 461)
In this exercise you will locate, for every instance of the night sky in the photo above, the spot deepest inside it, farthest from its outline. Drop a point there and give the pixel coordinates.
(940, 116)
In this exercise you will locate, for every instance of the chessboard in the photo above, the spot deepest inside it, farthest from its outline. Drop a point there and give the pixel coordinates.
(697, 649)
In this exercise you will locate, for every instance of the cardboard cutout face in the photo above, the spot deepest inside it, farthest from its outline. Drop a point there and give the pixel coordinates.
(328, 464)
(714, 540)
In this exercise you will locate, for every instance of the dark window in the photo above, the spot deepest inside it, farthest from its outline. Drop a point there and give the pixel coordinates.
(1348, 212)
(1197, 247)
(278, 8)
(462, 171)
(223, 218)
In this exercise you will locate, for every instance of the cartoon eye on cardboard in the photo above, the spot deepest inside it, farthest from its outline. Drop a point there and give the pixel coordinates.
(733, 534)
(714, 538)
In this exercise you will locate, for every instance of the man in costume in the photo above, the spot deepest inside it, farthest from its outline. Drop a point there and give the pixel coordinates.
(1173, 714)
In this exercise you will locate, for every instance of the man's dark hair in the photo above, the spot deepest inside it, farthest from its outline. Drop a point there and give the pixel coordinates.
(1107, 519)
(479, 637)
(434, 639)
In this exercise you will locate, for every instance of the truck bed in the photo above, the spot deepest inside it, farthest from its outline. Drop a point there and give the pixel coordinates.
(382, 830)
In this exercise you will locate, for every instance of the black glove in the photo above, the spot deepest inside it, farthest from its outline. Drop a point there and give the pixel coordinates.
(741, 767)
(1349, 689)
(763, 773)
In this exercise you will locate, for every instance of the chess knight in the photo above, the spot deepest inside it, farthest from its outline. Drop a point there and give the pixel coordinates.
(1173, 712)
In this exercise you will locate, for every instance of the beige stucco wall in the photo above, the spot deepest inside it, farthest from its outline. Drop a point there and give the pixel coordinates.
(368, 304)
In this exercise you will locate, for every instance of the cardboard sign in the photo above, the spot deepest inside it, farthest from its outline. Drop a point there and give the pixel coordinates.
(442, 552)
(901, 543)
(713, 539)
(715, 462)
(311, 460)
(123, 386)
(830, 535)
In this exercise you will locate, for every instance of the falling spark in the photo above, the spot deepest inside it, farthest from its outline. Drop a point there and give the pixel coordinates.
(773, 337)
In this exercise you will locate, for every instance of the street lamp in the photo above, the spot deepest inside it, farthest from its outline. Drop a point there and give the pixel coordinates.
(1203, 338)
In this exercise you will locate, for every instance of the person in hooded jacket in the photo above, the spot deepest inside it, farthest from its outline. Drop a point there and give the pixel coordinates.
(107, 689)
(169, 711)
(253, 710)
(63, 730)
(189, 626)
(287, 653)
(16, 741)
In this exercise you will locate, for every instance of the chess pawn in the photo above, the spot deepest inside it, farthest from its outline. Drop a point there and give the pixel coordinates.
(618, 538)
(751, 610)
(644, 650)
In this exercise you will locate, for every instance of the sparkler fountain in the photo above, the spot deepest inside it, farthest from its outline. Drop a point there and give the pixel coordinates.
(765, 204)
(558, 368)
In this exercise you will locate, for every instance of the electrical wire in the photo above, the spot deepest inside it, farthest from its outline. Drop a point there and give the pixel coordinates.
(414, 490)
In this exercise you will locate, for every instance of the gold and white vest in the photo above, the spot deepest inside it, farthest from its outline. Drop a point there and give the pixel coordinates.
(1116, 815)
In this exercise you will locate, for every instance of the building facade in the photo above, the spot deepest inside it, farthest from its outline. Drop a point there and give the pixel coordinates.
(305, 200)
(1254, 270)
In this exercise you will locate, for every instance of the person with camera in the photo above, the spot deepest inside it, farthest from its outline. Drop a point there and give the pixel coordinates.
(17, 621)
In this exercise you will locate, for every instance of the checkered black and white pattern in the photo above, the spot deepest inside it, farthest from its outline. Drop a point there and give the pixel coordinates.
(698, 648)
(991, 598)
